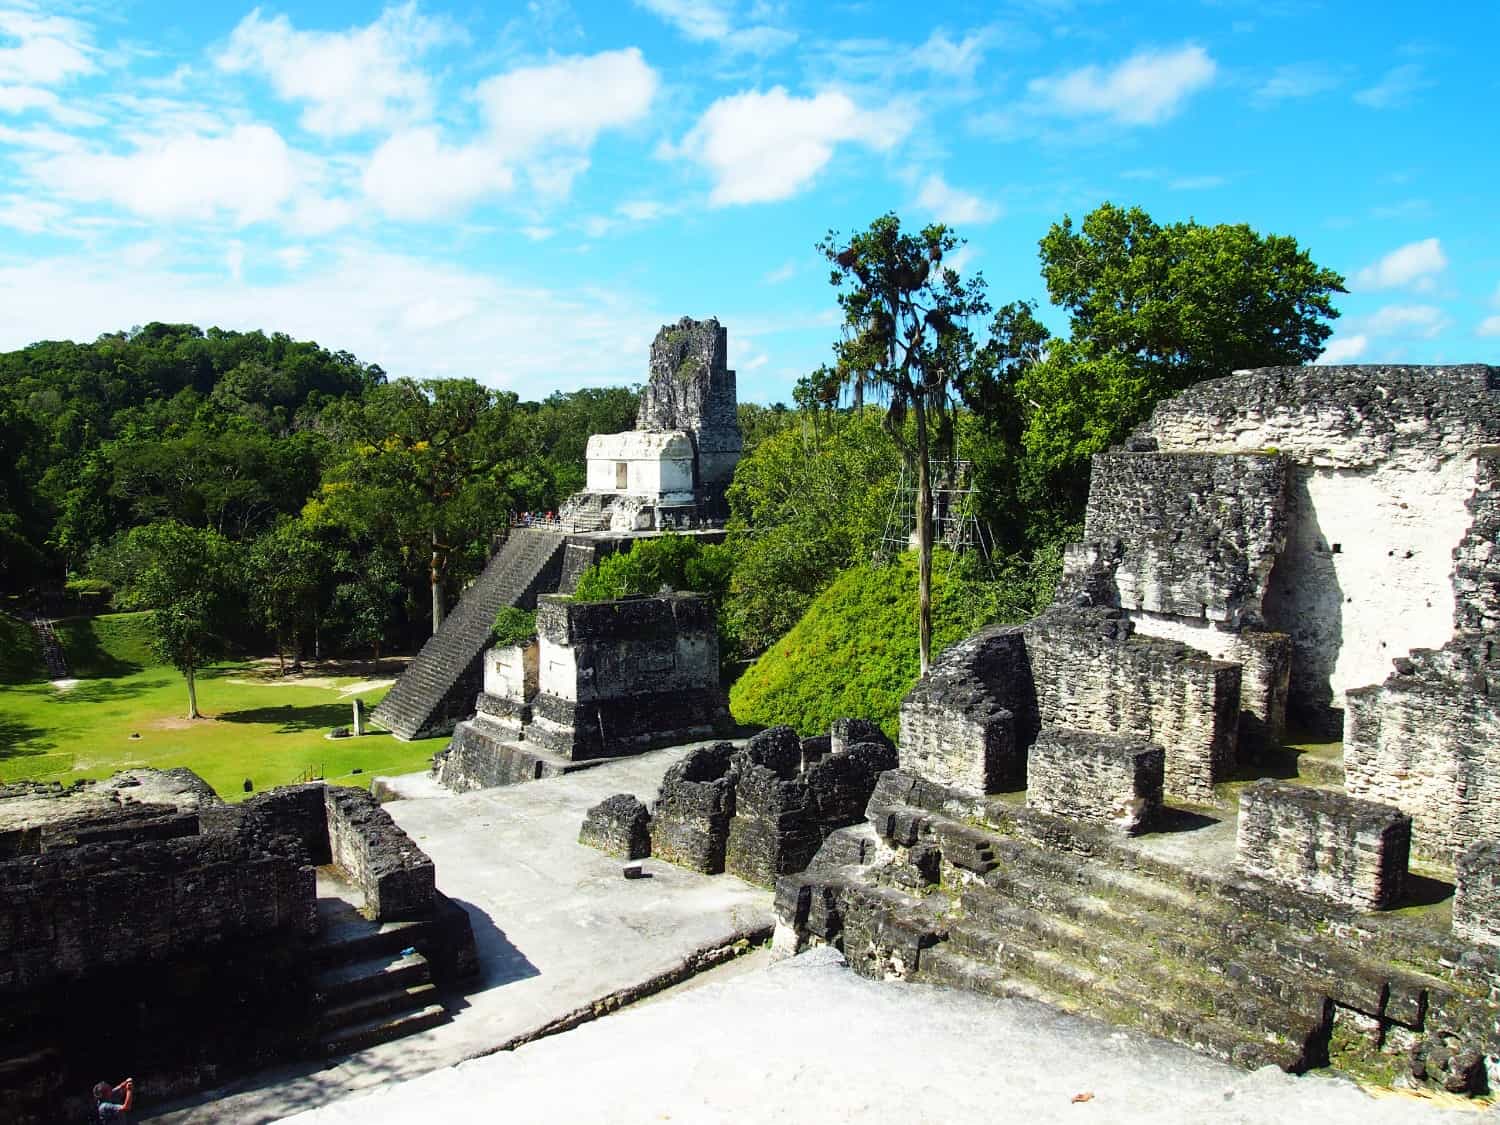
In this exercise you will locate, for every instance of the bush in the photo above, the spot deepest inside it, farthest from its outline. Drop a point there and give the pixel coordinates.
(513, 627)
(671, 563)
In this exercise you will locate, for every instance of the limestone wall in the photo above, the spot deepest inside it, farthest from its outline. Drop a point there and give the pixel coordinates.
(1384, 463)
(395, 875)
(608, 650)
(1099, 777)
(510, 672)
(1092, 674)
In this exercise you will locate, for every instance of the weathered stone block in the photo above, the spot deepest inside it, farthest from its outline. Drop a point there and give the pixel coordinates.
(1324, 843)
(1092, 673)
(1476, 893)
(967, 723)
(845, 733)
(619, 826)
(1106, 778)
(396, 876)
(510, 672)
(690, 820)
(842, 783)
(1195, 535)
(1428, 741)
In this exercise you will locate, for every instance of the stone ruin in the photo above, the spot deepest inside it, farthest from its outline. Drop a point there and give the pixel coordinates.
(758, 811)
(1069, 821)
(600, 680)
(206, 935)
(672, 470)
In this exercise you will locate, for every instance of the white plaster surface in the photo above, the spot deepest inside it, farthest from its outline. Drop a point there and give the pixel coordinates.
(658, 464)
(1387, 590)
(511, 672)
(806, 1040)
(557, 928)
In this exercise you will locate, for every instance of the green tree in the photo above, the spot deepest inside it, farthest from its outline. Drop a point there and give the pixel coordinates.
(186, 577)
(286, 572)
(907, 336)
(1152, 310)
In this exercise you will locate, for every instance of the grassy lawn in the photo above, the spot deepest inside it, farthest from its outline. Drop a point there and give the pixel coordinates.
(257, 726)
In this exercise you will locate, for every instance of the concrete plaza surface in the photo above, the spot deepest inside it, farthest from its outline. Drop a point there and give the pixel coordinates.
(808, 1040)
(558, 931)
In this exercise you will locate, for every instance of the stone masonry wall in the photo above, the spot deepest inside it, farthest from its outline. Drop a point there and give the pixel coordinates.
(1324, 843)
(690, 820)
(1092, 674)
(1384, 462)
(1196, 535)
(1476, 893)
(395, 875)
(691, 388)
(967, 723)
(1100, 777)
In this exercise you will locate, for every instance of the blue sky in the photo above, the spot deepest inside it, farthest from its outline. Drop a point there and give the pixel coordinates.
(523, 192)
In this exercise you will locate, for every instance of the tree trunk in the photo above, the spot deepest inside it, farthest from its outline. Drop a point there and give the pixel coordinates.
(437, 587)
(192, 695)
(280, 653)
(924, 539)
(859, 395)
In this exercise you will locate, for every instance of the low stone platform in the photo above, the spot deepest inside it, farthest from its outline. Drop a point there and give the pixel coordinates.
(862, 1051)
(561, 936)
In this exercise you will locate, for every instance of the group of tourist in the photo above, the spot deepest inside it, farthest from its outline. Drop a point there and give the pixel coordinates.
(534, 519)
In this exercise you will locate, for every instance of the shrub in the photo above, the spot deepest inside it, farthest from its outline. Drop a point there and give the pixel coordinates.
(513, 626)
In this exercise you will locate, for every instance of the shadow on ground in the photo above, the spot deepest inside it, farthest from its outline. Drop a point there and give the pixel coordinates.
(292, 720)
(13, 733)
(500, 961)
(110, 691)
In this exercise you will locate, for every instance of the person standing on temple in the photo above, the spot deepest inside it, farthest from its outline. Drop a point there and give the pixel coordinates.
(110, 1108)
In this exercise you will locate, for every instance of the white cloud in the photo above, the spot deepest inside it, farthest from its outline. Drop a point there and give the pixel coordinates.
(414, 317)
(47, 50)
(234, 258)
(1147, 88)
(293, 257)
(1195, 183)
(314, 215)
(942, 55)
(762, 147)
(700, 20)
(1396, 88)
(784, 272)
(1425, 321)
(416, 176)
(1489, 326)
(960, 259)
(1416, 263)
(954, 207)
(1299, 80)
(366, 78)
(31, 216)
(1344, 349)
(567, 103)
(247, 172)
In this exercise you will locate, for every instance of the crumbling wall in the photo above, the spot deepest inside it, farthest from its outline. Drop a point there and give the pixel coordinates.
(691, 388)
(967, 723)
(380, 859)
(1100, 777)
(1476, 893)
(774, 830)
(1324, 843)
(690, 820)
(1383, 464)
(1092, 674)
(623, 676)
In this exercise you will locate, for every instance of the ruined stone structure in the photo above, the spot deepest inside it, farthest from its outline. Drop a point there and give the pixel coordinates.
(671, 471)
(602, 680)
(1264, 551)
(1324, 843)
(200, 931)
(757, 812)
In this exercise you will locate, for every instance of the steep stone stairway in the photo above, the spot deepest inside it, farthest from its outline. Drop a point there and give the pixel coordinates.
(52, 650)
(371, 982)
(439, 685)
(1006, 901)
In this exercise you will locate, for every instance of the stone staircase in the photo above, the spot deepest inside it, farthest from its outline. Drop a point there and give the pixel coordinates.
(1011, 902)
(372, 986)
(440, 684)
(52, 650)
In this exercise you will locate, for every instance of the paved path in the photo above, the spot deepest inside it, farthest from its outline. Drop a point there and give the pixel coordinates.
(558, 930)
(807, 1040)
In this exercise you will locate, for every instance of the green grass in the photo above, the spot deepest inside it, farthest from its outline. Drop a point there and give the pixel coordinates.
(269, 731)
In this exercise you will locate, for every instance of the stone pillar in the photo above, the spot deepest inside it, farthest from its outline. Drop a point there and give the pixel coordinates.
(359, 717)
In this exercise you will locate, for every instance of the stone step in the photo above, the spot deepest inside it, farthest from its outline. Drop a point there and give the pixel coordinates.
(1275, 957)
(345, 982)
(1036, 975)
(377, 1005)
(1140, 967)
(346, 944)
(380, 1029)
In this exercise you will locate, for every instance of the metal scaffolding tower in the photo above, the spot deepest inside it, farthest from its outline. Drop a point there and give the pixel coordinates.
(954, 504)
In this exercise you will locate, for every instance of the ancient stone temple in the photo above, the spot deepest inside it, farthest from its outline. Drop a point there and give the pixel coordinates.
(601, 680)
(148, 928)
(671, 471)
(1304, 548)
